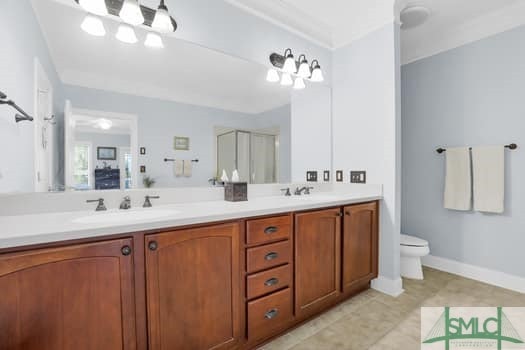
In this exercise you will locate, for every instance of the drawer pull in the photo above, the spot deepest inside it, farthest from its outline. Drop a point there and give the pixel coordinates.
(271, 256)
(271, 314)
(271, 282)
(271, 229)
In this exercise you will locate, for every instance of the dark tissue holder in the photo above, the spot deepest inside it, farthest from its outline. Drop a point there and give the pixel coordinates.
(236, 191)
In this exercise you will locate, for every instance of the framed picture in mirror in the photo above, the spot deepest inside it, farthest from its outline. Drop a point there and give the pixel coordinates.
(106, 153)
(181, 143)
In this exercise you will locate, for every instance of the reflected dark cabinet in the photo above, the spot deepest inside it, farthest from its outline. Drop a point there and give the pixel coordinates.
(77, 297)
(107, 179)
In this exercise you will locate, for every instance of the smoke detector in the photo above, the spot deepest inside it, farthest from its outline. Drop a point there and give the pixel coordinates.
(413, 16)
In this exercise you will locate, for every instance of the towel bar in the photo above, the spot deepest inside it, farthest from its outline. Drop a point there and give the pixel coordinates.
(512, 146)
(172, 160)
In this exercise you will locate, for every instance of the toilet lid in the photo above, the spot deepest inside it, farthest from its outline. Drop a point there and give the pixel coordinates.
(413, 241)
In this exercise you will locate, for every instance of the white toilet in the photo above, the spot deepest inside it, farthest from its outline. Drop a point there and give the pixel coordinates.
(412, 249)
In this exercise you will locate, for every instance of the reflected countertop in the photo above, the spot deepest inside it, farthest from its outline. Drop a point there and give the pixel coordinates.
(22, 230)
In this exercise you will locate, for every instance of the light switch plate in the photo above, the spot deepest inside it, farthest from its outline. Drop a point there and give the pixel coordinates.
(326, 175)
(339, 176)
(358, 177)
(311, 176)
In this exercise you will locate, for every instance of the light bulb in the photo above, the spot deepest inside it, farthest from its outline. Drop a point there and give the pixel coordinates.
(126, 34)
(304, 70)
(93, 25)
(317, 75)
(286, 79)
(131, 12)
(154, 40)
(299, 84)
(289, 65)
(98, 7)
(104, 124)
(272, 76)
(162, 21)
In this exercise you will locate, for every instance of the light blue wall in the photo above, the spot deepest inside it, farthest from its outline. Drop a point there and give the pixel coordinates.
(159, 121)
(472, 95)
(21, 41)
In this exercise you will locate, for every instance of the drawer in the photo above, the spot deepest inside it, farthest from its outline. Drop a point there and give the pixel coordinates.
(269, 314)
(269, 229)
(268, 281)
(269, 255)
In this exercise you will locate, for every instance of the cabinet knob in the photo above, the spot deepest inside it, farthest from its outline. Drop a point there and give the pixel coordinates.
(271, 256)
(271, 314)
(271, 282)
(339, 214)
(347, 213)
(126, 250)
(271, 229)
(153, 245)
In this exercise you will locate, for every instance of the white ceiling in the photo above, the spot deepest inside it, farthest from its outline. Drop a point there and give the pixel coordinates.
(182, 71)
(453, 23)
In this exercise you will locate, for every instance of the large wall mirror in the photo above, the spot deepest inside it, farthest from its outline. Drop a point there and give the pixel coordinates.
(112, 115)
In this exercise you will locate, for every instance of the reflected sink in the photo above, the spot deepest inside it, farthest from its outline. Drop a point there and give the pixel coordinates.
(124, 216)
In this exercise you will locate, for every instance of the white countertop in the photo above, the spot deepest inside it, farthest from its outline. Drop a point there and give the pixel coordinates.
(21, 230)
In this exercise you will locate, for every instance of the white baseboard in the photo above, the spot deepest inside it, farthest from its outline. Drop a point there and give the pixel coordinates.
(388, 286)
(496, 278)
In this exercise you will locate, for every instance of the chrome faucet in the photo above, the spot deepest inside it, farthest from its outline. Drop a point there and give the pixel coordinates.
(147, 202)
(286, 192)
(126, 203)
(305, 189)
(100, 206)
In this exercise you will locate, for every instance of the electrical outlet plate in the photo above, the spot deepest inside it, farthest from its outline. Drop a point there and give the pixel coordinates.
(339, 176)
(311, 176)
(358, 177)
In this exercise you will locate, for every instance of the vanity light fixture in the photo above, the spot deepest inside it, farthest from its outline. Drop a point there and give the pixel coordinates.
(299, 84)
(93, 25)
(131, 12)
(162, 21)
(126, 34)
(289, 62)
(154, 40)
(286, 79)
(304, 67)
(272, 76)
(317, 73)
(97, 7)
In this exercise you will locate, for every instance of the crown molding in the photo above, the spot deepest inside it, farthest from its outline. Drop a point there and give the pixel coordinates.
(493, 23)
(289, 18)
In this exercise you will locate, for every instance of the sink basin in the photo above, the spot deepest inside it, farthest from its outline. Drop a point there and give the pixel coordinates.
(315, 197)
(124, 216)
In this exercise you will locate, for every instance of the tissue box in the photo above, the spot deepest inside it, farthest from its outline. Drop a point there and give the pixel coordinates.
(236, 191)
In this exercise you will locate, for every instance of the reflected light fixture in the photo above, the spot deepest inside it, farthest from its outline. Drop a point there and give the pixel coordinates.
(154, 40)
(272, 76)
(299, 84)
(104, 124)
(126, 34)
(286, 79)
(304, 67)
(289, 62)
(162, 21)
(93, 25)
(97, 7)
(317, 73)
(131, 12)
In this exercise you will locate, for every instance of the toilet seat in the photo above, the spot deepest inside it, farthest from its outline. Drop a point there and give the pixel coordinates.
(411, 241)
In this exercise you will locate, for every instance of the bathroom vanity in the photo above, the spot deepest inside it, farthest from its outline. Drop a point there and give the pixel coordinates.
(227, 284)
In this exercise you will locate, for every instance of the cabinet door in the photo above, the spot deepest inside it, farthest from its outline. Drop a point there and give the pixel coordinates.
(78, 297)
(317, 260)
(359, 244)
(193, 288)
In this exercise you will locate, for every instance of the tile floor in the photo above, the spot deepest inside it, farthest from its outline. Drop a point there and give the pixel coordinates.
(372, 320)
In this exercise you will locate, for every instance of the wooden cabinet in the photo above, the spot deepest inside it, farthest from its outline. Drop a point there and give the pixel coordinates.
(76, 297)
(317, 260)
(193, 288)
(360, 235)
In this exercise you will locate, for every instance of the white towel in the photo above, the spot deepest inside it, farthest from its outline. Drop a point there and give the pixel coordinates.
(488, 165)
(178, 167)
(188, 168)
(458, 181)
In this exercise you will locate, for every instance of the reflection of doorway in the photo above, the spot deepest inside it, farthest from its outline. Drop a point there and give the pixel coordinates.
(105, 131)
(43, 131)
